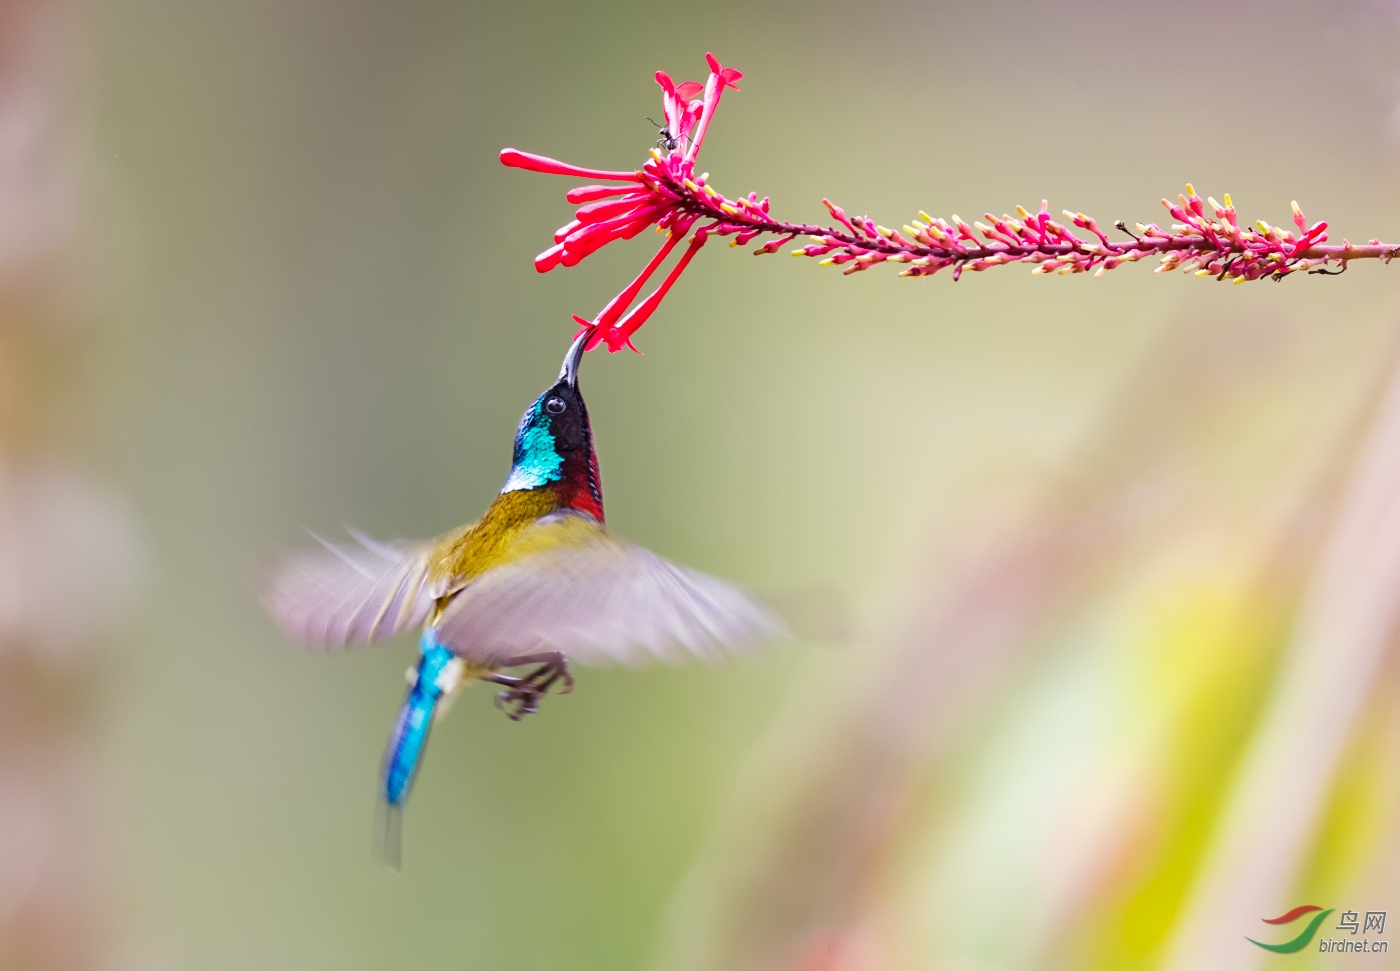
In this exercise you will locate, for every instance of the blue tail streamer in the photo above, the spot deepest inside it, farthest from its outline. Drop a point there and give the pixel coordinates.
(407, 742)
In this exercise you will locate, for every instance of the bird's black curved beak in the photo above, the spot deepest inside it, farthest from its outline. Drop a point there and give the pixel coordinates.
(569, 372)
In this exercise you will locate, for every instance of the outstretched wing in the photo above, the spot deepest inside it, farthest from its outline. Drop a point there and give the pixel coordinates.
(350, 594)
(569, 586)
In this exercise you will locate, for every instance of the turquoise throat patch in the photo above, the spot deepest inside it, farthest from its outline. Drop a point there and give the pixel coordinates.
(536, 461)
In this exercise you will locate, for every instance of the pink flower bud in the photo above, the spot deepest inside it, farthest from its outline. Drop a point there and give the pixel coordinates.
(589, 193)
(538, 163)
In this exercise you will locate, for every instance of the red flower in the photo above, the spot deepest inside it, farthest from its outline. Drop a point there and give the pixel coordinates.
(662, 193)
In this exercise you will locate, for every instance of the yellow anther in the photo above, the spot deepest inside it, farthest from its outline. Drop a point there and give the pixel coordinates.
(729, 209)
(1238, 280)
(734, 242)
(884, 232)
(1206, 272)
(925, 217)
(1190, 191)
(799, 252)
(1021, 211)
(1263, 226)
(827, 262)
(1228, 203)
(1296, 211)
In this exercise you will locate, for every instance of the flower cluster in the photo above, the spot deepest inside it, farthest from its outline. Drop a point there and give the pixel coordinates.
(654, 195)
(666, 193)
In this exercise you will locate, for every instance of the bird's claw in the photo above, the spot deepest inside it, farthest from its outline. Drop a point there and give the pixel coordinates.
(525, 693)
(525, 699)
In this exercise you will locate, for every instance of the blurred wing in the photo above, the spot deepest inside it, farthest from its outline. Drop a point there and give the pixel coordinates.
(351, 594)
(574, 588)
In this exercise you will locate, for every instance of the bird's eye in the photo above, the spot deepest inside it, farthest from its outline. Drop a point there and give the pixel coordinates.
(555, 406)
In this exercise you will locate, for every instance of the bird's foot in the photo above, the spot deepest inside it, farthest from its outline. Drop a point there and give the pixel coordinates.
(522, 695)
(518, 700)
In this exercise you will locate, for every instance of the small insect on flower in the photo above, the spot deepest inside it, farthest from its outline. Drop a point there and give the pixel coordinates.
(665, 139)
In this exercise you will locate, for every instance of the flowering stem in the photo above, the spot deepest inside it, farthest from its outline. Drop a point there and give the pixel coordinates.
(665, 192)
(1220, 249)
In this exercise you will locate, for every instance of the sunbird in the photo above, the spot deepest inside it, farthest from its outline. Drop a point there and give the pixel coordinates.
(535, 582)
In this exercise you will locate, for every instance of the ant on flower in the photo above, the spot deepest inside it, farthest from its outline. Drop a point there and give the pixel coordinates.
(667, 140)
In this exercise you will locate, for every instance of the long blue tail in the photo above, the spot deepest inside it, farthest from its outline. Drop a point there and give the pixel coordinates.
(407, 743)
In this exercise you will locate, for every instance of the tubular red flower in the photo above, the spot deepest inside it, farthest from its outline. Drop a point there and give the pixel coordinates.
(593, 238)
(609, 314)
(550, 258)
(680, 110)
(620, 336)
(719, 79)
(623, 300)
(596, 212)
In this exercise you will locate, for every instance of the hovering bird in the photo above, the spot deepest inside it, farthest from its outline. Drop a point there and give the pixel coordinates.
(536, 582)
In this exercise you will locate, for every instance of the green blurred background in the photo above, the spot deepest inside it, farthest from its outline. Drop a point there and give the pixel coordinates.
(299, 292)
